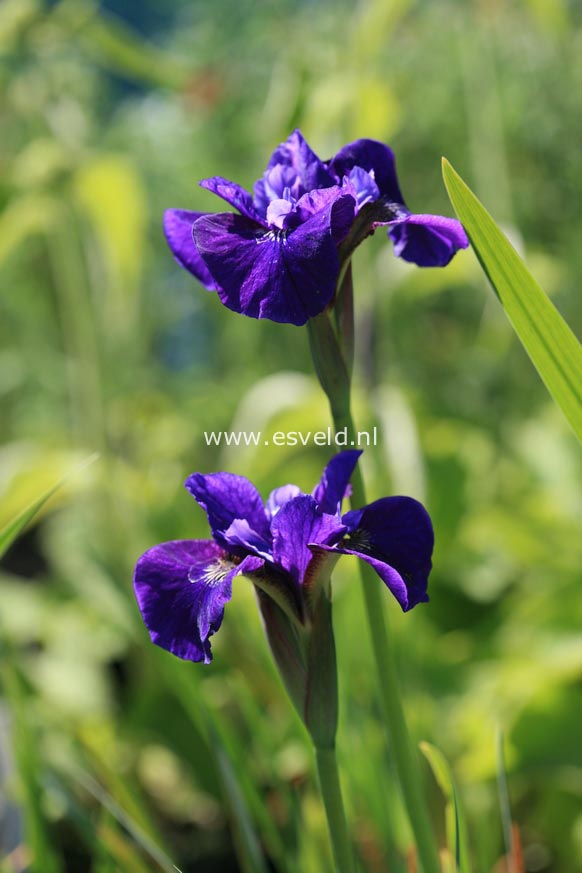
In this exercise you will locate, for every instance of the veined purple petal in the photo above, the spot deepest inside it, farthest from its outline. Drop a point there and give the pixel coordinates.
(298, 524)
(279, 497)
(226, 497)
(427, 240)
(369, 155)
(235, 195)
(178, 224)
(286, 276)
(333, 205)
(181, 588)
(293, 165)
(395, 536)
(334, 482)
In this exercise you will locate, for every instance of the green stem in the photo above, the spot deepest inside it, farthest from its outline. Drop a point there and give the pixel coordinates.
(405, 755)
(329, 361)
(334, 809)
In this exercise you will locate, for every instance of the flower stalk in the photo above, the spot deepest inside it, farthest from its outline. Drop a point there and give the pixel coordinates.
(329, 783)
(328, 356)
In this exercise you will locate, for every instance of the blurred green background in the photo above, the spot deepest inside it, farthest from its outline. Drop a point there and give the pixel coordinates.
(114, 756)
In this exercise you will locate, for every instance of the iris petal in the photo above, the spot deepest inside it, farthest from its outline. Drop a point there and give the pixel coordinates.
(279, 497)
(181, 589)
(226, 497)
(395, 536)
(427, 240)
(369, 155)
(178, 224)
(293, 165)
(334, 482)
(286, 277)
(233, 194)
(297, 524)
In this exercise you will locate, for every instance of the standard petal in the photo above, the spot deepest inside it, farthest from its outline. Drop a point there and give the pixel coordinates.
(181, 589)
(298, 524)
(233, 194)
(178, 224)
(226, 497)
(370, 155)
(293, 165)
(427, 240)
(279, 497)
(331, 489)
(395, 536)
(287, 277)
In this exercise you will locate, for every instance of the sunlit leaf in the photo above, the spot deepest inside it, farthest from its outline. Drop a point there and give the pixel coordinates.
(11, 531)
(551, 345)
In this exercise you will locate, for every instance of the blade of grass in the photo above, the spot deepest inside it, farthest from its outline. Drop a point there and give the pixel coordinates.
(15, 527)
(457, 840)
(512, 846)
(245, 804)
(549, 342)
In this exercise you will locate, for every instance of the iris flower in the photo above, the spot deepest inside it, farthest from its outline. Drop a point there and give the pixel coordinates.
(278, 257)
(182, 587)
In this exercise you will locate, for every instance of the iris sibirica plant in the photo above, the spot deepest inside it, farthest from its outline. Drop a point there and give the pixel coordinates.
(285, 255)
(287, 547)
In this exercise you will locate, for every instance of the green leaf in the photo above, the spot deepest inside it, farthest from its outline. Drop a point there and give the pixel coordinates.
(457, 840)
(12, 530)
(551, 345)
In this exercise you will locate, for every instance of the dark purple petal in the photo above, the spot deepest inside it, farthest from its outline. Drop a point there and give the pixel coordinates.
(285, 276)
(181, 589)
(334, 482)
(427, 240)
(279, 497)
(226, 497)
(333, 205)
(298, 524)
(370, 155)
(233, 194)
(395, 536)
(178, 224)
(293, 165)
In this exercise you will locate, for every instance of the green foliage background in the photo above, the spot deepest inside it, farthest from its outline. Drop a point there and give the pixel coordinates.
(127, 758)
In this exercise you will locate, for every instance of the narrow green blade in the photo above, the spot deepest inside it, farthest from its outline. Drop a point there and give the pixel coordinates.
(456, 826)
(15, 527)
(551, 345)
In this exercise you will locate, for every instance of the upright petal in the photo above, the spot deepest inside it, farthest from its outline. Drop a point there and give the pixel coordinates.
(331, 489)
(181, 589)
(370, 155)
(286, 276)
(178, 224)
(427, 240)
(226, 497)
(298, 524)
(292, 165)
(395, 536)
(233, 194)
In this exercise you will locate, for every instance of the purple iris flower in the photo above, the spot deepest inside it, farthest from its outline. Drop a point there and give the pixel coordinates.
(279, 257)
(182, 586)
